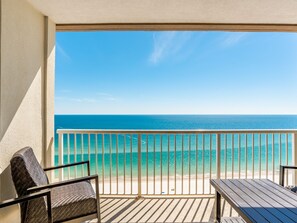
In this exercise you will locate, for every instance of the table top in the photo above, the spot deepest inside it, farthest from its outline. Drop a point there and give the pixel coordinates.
(258, 200)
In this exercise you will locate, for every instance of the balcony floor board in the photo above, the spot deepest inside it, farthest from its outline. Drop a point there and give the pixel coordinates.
(190, 209)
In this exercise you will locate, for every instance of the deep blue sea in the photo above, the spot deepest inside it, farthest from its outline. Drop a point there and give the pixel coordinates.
(175, 122)
(206, 157)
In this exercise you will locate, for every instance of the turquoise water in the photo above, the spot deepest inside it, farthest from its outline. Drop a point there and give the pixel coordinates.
(175, 121)
(187, 159)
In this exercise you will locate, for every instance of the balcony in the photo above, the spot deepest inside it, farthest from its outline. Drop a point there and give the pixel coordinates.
(161, 209)
(163, 175)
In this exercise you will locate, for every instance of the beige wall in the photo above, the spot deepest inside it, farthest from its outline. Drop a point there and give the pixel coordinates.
(169, 11)
(26, 88)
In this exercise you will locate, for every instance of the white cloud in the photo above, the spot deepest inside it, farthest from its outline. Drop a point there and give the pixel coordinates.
(99, 97)
(232, 39)
(78, 100)
(106, 96)
(168, 44)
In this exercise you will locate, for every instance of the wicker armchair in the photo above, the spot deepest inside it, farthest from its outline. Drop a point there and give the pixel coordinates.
(282, 177)
(69, 199)
(27, 198)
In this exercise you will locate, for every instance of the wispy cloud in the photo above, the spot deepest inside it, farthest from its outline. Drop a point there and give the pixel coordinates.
(78, 100)
(106, 96)
(168, 44)
(62, 52)
(99, 97)
(232, 39)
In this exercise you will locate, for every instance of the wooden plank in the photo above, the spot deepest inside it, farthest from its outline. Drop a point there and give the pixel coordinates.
(172, 214)
(281, 192)
(274, 198)
(113, 209)
(177, 210)
(201, 211)
(104, 201)
(233, 212)
(192, 211)
(121, 215)
(153, 210)
(249, 205)
(232, 220)
(196, 211)
(107, 204)
(225, 208)
(184, 211)
(169, 211)
(133, 213)
(141, 213)
(277, 210)
(236, 201)
(279, 189)
(208, 210)
(204, 215)
(269, 200)
(165, 212)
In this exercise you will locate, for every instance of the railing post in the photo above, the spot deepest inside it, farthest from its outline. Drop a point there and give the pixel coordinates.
(61, 155)
(139, 165)
(218, 156)
(294, 157)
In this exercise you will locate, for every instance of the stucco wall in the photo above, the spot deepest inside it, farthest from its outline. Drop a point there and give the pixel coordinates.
(26, 80)
(169, 11)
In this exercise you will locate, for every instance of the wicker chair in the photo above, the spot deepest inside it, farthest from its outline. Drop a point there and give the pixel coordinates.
(282, 177)
(27, 198)
(70, 199)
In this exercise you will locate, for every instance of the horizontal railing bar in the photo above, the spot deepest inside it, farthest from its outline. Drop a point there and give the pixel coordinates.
(179, 131)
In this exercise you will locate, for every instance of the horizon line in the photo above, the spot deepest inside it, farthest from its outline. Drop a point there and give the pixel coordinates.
(174, 114)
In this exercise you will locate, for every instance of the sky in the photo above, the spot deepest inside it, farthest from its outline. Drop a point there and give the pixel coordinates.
(145, 72)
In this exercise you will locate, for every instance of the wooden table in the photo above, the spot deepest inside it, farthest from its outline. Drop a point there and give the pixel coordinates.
(258, 200)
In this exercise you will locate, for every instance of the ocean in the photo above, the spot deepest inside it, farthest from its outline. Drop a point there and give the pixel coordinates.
(175, 122)
(189, 157)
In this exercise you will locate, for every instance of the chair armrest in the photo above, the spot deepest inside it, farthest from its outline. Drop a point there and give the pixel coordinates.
(44, 193)
(288, 167)
(63, 183)
(282, 173)
(69, 165)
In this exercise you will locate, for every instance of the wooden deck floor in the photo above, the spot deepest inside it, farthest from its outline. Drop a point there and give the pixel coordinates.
(192, 209)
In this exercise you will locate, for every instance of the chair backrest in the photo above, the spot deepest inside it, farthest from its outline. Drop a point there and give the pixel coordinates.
(27, 172)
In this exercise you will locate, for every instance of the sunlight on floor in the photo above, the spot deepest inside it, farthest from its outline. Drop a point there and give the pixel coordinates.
(196, 209)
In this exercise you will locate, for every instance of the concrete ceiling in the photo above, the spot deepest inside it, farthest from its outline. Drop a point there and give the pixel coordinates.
(169, 11)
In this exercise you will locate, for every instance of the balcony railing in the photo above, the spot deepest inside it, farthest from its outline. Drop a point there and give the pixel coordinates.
(175, 162)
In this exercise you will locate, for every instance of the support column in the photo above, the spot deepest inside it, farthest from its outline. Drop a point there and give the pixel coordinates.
(48, 92)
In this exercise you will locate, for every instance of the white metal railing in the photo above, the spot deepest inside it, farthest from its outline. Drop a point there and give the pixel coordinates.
(170, 162)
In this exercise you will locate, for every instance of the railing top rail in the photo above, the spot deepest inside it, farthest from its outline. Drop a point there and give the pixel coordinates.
(173, 131)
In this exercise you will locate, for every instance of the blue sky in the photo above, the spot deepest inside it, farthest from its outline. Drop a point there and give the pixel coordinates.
(176, 73)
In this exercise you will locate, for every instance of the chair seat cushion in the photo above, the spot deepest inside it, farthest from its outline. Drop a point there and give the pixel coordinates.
(292, 188)
(73, 200)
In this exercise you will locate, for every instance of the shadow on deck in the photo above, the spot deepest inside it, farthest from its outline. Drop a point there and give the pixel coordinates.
(164, 209)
